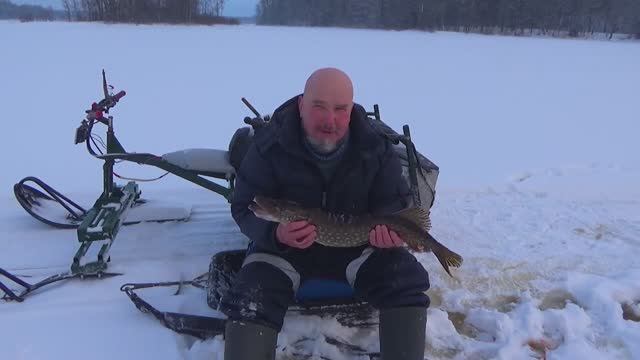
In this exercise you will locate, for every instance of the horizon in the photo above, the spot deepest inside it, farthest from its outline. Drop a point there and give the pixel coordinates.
(233, 8)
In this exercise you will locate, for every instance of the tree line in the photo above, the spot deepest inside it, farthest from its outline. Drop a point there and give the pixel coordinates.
(519, 17)
(9, 10)
(146, 11)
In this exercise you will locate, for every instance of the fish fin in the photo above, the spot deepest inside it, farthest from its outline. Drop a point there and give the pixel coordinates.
(445, 256)
(416, 215)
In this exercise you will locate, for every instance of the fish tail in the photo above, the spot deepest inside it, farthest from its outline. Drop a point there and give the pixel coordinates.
(445, 256)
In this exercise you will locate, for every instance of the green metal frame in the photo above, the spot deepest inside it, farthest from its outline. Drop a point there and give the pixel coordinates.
(103, 221)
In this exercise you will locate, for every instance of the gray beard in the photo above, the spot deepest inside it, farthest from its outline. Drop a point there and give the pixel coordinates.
(322, 147)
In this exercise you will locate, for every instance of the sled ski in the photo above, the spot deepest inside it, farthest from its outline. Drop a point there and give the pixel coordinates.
(29, 288)
(54, 209)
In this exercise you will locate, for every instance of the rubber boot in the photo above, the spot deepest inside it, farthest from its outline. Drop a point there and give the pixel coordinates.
(402, 333)
(249, 341)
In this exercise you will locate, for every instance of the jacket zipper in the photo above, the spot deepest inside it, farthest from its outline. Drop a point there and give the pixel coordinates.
(324, 200)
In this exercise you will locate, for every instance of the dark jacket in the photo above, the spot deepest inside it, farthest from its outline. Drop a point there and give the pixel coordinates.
(277, 164)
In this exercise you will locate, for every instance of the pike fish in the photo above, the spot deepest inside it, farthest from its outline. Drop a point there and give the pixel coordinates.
(343, 230)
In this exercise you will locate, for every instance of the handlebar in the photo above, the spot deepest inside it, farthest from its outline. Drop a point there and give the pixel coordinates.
(96, 112)
(119, 95)
(103, 106)
(97, 109)
(108, 102)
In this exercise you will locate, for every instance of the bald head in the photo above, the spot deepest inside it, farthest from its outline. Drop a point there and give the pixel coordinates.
(329, 80)
(325, 107)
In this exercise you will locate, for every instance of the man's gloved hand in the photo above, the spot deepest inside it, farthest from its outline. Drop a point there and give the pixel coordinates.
(298, 234)
(381, 237)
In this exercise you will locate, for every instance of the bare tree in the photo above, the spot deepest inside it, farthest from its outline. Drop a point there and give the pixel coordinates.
(144, 11)
(212, 7)
(66, 5)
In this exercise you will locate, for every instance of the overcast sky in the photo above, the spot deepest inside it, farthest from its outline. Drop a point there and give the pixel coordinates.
(231, 8)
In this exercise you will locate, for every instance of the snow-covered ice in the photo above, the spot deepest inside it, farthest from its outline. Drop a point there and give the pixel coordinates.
(536, 140)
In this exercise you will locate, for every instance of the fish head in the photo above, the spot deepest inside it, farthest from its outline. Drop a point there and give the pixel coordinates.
(277, 210)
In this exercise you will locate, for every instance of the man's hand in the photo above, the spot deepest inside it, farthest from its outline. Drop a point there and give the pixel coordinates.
(298, 234)
(381, 237)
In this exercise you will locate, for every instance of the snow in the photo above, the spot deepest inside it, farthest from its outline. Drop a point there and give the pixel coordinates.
(536, 140)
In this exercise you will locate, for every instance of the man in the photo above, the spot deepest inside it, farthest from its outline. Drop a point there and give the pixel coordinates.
(321, 150)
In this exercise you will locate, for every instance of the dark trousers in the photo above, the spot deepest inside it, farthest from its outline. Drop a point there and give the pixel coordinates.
(265, 286)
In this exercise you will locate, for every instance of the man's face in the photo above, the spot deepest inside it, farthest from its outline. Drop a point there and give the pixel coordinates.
(325, 117)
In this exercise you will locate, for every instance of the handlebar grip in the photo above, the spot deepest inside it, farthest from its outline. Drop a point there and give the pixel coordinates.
(119, 95)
